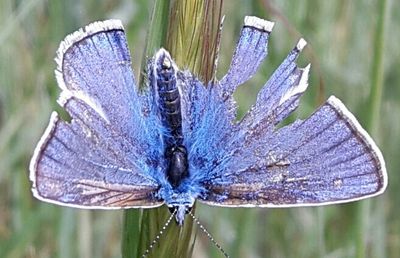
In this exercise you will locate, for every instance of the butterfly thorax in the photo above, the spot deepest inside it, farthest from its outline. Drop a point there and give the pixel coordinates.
(169, 105)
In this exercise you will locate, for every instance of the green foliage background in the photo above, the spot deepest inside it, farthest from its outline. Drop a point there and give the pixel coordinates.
(346, 61)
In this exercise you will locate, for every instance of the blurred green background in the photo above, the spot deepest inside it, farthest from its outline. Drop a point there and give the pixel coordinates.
(346, 62)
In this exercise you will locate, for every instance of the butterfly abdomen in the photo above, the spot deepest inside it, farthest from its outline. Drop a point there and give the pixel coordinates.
(169, 104)
(169, 100)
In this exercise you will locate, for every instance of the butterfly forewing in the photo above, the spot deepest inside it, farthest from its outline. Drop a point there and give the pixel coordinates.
(280, 95)
(251, 50)
(97, 159)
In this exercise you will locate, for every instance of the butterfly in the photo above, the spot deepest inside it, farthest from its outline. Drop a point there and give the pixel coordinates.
(177, 140)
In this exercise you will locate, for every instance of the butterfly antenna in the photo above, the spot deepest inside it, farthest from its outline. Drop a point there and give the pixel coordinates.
(208, 234)
(160, 233)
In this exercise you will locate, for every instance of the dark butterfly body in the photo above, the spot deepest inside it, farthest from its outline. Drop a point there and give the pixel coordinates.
(177, 141)
(170, 112)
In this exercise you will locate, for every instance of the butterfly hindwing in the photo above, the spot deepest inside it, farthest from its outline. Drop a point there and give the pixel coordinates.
(327, 158)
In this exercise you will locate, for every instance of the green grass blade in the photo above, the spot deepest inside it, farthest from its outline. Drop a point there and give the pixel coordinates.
(372, 123)
(193, 35)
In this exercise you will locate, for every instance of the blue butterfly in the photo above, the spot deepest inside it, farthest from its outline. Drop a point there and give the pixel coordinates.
(177, 140)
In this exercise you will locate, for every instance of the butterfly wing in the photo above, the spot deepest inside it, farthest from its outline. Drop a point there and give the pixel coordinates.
(104, 157)
(210, 112)
(327, 158)
(251, 50)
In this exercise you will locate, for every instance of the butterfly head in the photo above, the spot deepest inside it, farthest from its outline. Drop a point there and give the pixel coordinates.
(180, 212)
(179, 202)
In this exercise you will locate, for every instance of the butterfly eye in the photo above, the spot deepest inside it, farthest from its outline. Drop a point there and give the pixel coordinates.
(171, 209)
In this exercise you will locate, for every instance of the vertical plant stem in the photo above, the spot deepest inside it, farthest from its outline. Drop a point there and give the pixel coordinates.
(320, 232)
(137, 231)
(377, 72)
(372, 121)
(193, 35)
(192, 30)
